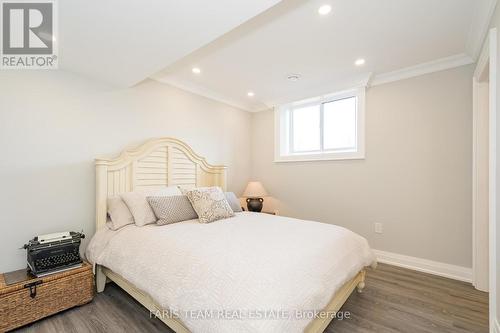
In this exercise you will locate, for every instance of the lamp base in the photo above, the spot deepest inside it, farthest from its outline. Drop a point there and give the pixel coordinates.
(254, 204)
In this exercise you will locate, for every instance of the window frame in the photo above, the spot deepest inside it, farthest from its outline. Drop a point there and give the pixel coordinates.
(284, 129)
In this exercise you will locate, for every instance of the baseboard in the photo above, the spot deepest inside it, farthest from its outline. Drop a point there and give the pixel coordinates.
(424, 265)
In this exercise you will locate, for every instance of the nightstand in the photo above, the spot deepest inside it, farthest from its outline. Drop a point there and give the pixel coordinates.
(262, 212)
(31, 298)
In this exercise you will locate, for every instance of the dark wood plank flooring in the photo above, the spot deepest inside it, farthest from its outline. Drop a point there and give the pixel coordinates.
(401, 300)
(394, 300)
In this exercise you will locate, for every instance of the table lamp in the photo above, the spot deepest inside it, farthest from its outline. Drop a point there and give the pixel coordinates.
(254, 193)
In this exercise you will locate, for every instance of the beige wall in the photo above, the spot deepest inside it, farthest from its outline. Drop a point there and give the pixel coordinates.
(52, 126)
(416, 178)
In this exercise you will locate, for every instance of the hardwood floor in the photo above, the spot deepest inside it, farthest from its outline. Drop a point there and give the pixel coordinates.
(401, 300)
(394, 300)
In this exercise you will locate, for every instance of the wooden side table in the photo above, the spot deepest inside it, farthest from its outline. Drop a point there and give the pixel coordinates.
(264, 212)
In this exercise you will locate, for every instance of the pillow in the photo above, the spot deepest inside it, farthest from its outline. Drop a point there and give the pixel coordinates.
(172, 209)
(186, 189)
(119, 213)
(233, 201)
(139, 206)
(210, 204)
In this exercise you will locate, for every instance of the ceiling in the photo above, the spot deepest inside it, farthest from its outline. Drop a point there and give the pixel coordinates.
(124, 42)
(291, 37)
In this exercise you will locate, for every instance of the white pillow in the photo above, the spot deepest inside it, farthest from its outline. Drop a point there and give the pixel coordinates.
(139, 207)
(119, 213)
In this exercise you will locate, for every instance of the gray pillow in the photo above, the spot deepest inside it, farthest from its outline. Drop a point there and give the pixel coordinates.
(172, 209)
(233, 201)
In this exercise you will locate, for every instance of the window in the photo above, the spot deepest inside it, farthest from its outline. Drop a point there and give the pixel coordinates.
(323, 128)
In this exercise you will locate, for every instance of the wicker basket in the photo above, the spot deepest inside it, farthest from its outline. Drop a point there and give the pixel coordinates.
(21, 305)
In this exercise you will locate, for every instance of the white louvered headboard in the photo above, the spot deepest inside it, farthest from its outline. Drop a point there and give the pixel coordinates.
(154, 164)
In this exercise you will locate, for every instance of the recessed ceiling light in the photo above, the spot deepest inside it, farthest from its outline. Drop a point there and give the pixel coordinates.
(360, 62)
(250, 94)
(293, 77)
(196, 70)
(325, 9)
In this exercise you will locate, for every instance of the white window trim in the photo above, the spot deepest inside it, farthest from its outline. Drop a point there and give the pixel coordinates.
(282, 134)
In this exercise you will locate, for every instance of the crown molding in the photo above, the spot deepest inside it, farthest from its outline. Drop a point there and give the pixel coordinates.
(311, 93)
(421, 69)
(476, 35)
(198, 90)
(483, 60)
(479, 27)
(369, 80)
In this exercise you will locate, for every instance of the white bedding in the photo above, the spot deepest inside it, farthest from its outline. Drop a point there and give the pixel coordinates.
(251, 265)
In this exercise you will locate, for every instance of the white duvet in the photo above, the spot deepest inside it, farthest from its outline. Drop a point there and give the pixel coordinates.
(250, 273)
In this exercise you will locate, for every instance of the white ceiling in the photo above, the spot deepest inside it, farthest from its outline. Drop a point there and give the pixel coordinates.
(124, 42)
(292, 37)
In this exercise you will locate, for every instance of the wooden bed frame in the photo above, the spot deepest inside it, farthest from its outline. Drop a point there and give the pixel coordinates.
(165, 162)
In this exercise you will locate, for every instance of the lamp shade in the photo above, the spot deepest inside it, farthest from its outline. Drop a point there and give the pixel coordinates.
(255, 190)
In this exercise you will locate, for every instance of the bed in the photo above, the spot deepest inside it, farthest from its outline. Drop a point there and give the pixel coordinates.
(252, 272)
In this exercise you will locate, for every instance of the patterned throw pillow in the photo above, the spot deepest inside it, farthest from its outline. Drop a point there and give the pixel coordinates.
(172, 209)
(210, 204)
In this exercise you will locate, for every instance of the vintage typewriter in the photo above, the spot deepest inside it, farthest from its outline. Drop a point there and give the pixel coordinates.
(53, 253)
